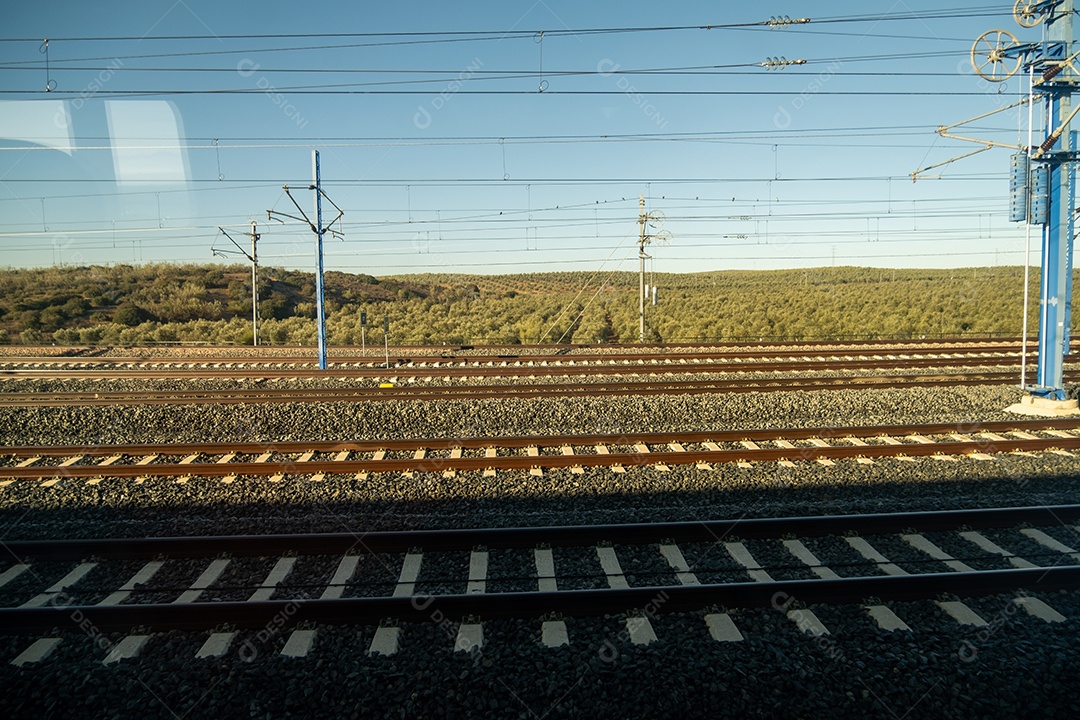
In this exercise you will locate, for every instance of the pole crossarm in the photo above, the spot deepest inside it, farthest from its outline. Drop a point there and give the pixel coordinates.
(340, 213)
(226, 253)
(945, 132)
(918, 173)
(303, 215)
(253, 258)
(981, 141)
(276, 214)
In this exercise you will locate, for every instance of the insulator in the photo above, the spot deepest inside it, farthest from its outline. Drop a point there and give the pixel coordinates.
(1052, 72)
(778, 21)
(779, 63)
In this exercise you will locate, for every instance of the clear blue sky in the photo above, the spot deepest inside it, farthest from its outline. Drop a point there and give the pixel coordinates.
(445, 157)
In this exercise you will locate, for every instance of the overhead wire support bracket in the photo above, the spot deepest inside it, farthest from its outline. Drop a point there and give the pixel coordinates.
(339, 233)
(253, 258)
(915, 175)
(227, 253)
(944, 131)
(277, 215)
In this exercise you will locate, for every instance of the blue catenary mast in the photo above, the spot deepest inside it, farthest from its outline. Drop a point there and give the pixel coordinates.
(319, 232)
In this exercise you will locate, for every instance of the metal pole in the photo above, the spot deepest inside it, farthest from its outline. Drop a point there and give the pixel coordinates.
(320, 299)
(641, 271)
(1056, 285)
(254, 287)
(1027, 292)
(1027, 239)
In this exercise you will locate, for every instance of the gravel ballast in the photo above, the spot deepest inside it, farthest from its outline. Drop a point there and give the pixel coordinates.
(1016, 666)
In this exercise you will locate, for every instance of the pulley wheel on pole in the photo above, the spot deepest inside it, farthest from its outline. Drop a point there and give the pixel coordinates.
(1029, 13)
(990, 55)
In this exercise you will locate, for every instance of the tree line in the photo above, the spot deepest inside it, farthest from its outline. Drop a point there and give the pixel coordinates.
(163, 303)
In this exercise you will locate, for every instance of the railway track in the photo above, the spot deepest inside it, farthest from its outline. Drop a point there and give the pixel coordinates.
(233, 396)
(527, 370)
(495, 355)
(271, 353)
(710, 569)
(536, 454)
(490, 364)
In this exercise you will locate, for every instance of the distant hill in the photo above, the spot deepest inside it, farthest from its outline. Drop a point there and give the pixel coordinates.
(138, 304)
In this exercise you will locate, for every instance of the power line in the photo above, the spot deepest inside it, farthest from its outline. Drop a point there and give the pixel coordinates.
(943, 13)
(254, 141)
(328, 90)
(748, 69)
(522, 182)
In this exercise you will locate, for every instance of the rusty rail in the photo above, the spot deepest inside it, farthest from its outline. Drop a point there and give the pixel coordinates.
(471, 392)
(570, 460)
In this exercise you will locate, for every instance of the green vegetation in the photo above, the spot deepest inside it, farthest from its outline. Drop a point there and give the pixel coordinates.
(131, 305)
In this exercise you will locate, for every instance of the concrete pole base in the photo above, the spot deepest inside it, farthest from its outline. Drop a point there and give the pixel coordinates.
(1044, 407)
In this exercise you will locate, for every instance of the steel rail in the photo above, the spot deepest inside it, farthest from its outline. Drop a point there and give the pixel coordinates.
(255, 469)
(747, 342)
(538, 441)
(655, 599)
(494, 370)
(518, 462)
(1008, 350)
(269, 352)
(238, 396)
(401, 541)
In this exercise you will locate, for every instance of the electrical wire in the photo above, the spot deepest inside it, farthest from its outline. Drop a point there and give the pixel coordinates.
(940, 14)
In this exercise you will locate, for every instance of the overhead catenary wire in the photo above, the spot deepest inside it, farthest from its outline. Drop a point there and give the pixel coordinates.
(988, 10)
(41, 185)
(304, 90)
(842, 135)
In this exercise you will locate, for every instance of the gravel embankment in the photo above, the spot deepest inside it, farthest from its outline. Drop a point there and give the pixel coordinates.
(493, 417)
(252, 505)
(1017, 666)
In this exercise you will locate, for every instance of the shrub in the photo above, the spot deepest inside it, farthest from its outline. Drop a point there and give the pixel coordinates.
(128, 314)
